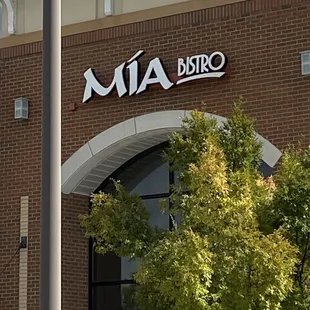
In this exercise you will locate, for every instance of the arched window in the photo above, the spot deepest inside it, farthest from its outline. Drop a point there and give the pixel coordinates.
(148, 176)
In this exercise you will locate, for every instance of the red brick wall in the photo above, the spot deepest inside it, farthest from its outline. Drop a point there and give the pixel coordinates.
(75, 254)
(262, 38)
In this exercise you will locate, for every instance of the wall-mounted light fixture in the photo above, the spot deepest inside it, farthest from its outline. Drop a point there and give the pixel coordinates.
(21, 108)
(305, 63)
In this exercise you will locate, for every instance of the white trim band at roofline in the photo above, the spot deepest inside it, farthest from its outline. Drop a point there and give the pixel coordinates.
(88, 167)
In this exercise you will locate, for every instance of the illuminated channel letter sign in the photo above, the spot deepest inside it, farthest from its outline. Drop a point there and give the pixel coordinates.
(189, 69)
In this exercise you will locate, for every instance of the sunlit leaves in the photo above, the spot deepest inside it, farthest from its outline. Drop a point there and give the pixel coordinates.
(176, 273)
(236, 248)
(118, 223)
(291, 208)
(238, 140)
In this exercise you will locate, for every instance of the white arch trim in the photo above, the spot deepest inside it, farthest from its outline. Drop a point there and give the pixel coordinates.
(85, 170)
(11, 15)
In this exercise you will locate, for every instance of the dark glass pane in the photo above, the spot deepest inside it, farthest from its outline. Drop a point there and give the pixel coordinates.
(107, 267)
(157, 218)
(146, 176)
(156, 182)
(129, 267)
(114, 297)
(107, 297)
(178, 220)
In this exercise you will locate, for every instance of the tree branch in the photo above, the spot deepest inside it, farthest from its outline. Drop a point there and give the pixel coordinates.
(303, 261)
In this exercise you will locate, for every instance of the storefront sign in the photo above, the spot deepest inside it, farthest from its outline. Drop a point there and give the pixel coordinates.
(189, 69)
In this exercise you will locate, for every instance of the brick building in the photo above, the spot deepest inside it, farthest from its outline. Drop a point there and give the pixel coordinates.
(265, 42)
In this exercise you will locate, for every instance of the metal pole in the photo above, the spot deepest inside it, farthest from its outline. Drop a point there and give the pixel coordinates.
(50, 276)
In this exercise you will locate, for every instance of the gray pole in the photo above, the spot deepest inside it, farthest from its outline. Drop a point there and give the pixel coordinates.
(50, 276)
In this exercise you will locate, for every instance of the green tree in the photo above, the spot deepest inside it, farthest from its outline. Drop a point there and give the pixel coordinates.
(222, 256)
(291, 209)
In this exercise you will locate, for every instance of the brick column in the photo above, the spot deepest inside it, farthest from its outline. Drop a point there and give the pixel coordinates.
(23, 254)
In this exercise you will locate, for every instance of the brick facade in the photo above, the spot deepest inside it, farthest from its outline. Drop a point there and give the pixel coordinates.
(262, 39)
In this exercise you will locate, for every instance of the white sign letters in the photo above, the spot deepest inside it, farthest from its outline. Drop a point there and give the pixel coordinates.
(189, 69)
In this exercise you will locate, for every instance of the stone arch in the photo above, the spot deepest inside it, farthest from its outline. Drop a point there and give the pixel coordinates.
(85, 170)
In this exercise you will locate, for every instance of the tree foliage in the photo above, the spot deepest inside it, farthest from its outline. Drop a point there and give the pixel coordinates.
(243, 243)
(291, 209)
